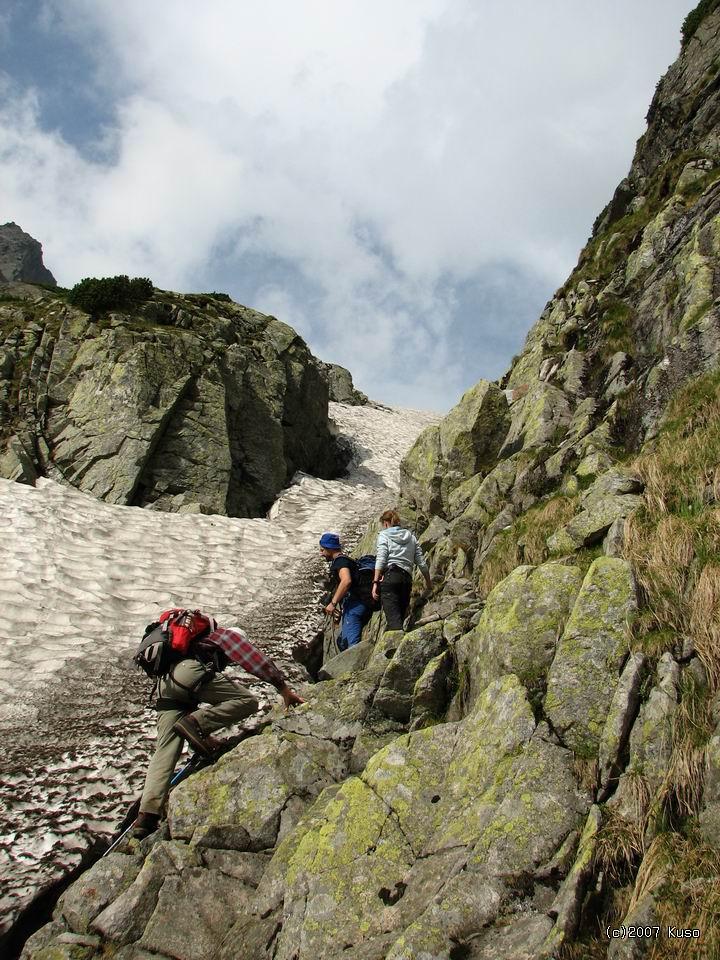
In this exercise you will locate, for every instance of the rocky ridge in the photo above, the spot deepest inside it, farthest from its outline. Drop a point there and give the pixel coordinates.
(186, 404)
(536, 759)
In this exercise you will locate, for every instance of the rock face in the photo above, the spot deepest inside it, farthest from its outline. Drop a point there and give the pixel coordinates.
(466, 442)
(476, 786)
(21, 257)
(340, 385)
(192, 404)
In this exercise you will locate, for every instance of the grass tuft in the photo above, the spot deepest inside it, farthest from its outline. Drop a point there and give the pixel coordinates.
(619, 847)
(525, 541)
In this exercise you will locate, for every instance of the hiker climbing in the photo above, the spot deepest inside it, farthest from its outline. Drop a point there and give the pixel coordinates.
(351, 590)
(186, 650)
(397, 553)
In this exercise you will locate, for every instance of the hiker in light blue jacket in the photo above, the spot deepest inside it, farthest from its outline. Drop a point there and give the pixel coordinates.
(397, 553)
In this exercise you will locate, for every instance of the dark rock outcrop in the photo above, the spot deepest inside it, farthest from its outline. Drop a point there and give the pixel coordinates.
(341, 387)
(192, 404)
(21, 257)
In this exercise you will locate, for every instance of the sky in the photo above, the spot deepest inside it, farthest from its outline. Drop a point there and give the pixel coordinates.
(405, 182)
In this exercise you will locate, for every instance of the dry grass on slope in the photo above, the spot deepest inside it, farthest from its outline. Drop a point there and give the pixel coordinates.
(674, 541)
(525, 540)
(683, 875)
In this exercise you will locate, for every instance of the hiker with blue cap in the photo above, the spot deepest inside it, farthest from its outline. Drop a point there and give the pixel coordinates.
(355, 614)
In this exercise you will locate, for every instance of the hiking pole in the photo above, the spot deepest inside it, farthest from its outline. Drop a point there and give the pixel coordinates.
(196, 762)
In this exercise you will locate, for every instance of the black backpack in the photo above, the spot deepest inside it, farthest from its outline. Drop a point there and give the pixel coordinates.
(155, 655)
(362, 577)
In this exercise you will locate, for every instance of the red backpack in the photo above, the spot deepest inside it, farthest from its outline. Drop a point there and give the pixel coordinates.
(168, 640)
(184, 626)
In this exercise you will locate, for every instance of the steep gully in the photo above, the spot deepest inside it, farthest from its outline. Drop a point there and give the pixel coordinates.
(80, 580)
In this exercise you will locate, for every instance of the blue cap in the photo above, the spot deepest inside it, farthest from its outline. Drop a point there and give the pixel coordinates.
(330, 541)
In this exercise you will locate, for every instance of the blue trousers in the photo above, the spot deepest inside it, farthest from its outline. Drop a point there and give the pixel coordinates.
(355, 616)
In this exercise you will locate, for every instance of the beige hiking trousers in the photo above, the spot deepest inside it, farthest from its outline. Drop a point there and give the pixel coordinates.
(190, 682)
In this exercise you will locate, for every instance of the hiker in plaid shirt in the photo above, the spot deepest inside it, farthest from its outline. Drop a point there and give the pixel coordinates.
(204, 649)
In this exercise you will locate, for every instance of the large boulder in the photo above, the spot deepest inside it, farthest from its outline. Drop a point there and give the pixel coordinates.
(472, 433)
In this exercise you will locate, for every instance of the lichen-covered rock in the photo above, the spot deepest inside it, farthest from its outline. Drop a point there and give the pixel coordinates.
(585, 671)
(96, 888)
(541, 418)
(432, 692)
(466, 442)
(541, 789)
(592, 523)
(394, 697)
(348, 661)
(421, 472)
(489, 499)
(612, 483)
(593, 464)
(518, 628)
(421, 797)
(247, 790)
(460, 497)
(472, 433)
(334, 874)
(569, 901)
(195, 404)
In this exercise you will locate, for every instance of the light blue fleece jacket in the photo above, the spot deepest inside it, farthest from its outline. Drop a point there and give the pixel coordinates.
(396, 545)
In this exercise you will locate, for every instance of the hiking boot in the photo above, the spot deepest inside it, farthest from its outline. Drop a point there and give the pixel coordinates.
(145, 824)
(189, 729)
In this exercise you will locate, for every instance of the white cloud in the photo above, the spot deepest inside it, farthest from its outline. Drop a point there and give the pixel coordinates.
(383, 150)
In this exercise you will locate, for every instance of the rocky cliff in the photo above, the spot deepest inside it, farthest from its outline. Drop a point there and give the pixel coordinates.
(536, 761)
(21, 257)
(184, 403)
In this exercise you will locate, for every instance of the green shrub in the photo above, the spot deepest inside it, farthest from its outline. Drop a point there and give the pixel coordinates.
(98, 295)
(693, 20)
